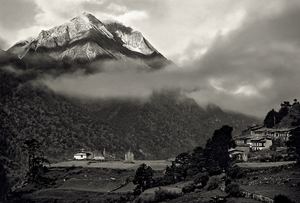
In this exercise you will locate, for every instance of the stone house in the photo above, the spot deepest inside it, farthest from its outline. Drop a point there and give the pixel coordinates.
(281, 133)
(83, 155)
(260, 144)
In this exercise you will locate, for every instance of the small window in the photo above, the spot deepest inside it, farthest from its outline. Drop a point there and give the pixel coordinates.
(81, 156)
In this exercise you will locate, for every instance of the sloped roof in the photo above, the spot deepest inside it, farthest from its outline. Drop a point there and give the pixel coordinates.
(80, 153)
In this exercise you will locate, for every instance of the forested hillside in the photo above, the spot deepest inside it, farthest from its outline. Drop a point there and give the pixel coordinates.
(288, 116)
(165, 125)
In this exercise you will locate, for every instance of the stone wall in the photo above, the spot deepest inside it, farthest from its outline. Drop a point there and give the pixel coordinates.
(258, 197)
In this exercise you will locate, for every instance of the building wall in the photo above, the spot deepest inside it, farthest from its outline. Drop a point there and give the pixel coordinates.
(80, 156)
(268, 143)
(101, 158)
(244, 149)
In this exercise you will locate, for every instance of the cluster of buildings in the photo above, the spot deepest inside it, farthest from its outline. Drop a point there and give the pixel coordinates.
(101, 156)
(259, 138)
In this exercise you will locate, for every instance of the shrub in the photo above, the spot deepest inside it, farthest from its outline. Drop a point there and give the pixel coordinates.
(227, 182)
(214, 183)
(128, 197)
(278, 157)
(162, 194)
(233, 190)
(263, 160)
(201, 180)
(237, 172)
(191, 172)
(188, 188)
(282, 198)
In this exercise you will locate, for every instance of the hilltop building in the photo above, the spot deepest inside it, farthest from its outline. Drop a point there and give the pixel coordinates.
(282, 133)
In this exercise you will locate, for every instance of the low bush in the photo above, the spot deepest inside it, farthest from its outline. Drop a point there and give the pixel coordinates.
(233, 190)
(227, 182)
(200, 180)
(282, 198)
(188, 188)
(127, 197)
(237, 173)
(214, 183)
(162, 195)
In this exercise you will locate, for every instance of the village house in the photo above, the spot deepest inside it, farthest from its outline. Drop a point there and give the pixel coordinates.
(245, 141)
(258, 130)
(237, 154)
(282, 133)
(260, 143)
(83, 155)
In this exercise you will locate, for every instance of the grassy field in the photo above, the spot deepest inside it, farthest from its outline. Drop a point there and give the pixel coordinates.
(154, 164)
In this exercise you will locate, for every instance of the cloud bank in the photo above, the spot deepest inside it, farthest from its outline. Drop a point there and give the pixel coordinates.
(255, 67)
(122, 80)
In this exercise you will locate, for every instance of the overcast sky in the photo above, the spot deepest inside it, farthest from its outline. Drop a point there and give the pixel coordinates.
(241, 55)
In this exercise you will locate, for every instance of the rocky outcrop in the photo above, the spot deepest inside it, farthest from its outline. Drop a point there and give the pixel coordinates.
(85, 38)
(135, 41)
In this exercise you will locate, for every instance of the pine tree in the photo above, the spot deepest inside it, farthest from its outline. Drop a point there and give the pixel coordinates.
(271, 119)
(36, 159)
(143, 177)
(216, 151)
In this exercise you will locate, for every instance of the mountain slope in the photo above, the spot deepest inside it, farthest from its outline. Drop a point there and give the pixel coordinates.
(85, 39)
(287, 117)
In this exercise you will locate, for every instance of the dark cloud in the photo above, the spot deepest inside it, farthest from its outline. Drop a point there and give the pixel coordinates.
(255, 67)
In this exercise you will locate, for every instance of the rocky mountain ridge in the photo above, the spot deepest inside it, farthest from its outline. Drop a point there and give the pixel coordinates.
(85, 39)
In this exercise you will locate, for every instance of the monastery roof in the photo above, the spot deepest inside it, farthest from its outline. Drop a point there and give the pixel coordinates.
(276, 130)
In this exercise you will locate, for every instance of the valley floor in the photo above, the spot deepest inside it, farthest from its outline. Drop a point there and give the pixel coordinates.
(154, 164)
